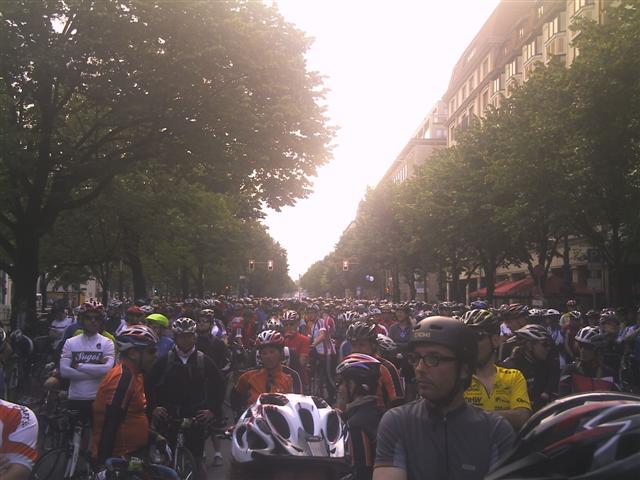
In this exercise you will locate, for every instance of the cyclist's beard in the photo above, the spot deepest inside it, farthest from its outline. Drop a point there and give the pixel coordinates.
(446, 400)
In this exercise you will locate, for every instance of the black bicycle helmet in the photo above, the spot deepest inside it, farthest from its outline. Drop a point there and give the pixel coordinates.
(587, 436)
(450, 333)
(360, 330)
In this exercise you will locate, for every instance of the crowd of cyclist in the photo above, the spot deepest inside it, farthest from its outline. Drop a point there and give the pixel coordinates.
(325, 389)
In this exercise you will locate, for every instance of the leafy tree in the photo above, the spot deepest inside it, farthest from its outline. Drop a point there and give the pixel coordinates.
(91, 89)
(605, 140)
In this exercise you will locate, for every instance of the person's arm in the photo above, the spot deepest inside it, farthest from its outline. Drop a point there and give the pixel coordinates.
(240, 392)
(322, 334)
(215, 387)
(502, 439)
(15, 471)
(115, 413)
(100, 369)
(515, 416)
(391, 454)
(66, 371)
(520, 404)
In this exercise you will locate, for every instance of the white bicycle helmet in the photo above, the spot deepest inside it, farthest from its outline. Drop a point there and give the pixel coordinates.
(136, 336)
(591, 336)
(285, 426)
(184, 325)
(533, 332)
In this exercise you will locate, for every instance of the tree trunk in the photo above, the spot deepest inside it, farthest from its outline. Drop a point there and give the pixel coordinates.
(137, 276)
(184, 281)
(412, 285)
(25, 281)
(43, 291)
(490, 277)
(566, 268)
(396, 285)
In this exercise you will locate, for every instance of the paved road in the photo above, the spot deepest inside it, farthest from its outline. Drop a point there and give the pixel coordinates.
(218, 473)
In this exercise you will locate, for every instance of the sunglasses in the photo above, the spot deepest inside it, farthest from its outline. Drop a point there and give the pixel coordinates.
(429, 360)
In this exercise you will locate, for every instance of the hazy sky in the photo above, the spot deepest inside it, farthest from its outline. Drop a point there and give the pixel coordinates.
(386, 64)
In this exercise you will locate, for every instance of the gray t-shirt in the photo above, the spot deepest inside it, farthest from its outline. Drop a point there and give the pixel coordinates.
(461, 446)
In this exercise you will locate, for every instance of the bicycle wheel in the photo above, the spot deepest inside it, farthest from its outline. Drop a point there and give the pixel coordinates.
(53, 465)
(185, 464)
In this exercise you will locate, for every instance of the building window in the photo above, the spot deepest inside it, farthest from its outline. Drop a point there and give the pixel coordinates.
(511, 68)
(485, 68)
(578, 4)
(540, 11)
(529, 50)
(496, 85)
(521, 32)
(551, 28)
(484, 100)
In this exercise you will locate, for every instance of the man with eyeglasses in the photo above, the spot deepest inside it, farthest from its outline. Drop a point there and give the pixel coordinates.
(495, 388)
(531, 355)
(440, 435)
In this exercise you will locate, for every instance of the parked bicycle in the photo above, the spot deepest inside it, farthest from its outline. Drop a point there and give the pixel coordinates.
(70, 461)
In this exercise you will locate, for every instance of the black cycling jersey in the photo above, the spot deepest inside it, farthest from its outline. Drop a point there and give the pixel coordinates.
(464, 444)
(542, 377)
(362, 417)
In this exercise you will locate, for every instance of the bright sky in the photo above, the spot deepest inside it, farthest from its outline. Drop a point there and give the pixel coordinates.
(386, 64)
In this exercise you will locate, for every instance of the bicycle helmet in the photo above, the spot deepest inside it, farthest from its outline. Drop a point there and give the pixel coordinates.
(290, 316)
(609, 316)
(136, 336)
(269, 338)
(588, 436)
(375, 311)
(184, 325)
(386, 345)
(273, 324)
(479, 305)
(207, 313)
(591, 336)
(283, 427)
(535, 333)
(134, 310)
(515, 310)
(91, 306)
(147, 309)
(481, 320)
(450, 333)
(157, 319)
(359, 367)
(551, 313)
(350, 316)
(360, 330)
(3, 338)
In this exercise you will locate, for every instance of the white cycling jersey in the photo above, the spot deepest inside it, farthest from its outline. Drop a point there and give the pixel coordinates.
(18, 434)
(93, 357)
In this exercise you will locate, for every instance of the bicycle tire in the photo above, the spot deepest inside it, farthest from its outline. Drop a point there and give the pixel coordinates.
(53, 465)
(185, 464)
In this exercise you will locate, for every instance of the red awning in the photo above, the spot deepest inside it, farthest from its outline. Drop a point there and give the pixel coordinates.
(524, 288)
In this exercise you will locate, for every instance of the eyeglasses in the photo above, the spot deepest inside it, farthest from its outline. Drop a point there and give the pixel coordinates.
(546, 344)
(429, 360)
(586, 346)
(97, 318)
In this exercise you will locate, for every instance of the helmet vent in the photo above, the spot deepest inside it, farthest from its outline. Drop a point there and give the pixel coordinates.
(333, 427)
(307, 420)
(320, 402)
(239, 432)
(278, 422)
(255, 442)
(273, 399)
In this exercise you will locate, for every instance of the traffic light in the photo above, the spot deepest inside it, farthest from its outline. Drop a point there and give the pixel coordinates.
(270, 265)
(345, 265)
(252, 265)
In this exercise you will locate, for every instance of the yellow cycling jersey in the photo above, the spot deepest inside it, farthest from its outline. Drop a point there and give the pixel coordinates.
(509, 391)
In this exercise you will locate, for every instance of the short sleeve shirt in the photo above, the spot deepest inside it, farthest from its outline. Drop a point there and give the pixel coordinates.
(19, 434)
(462, 445)
(509, 391)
